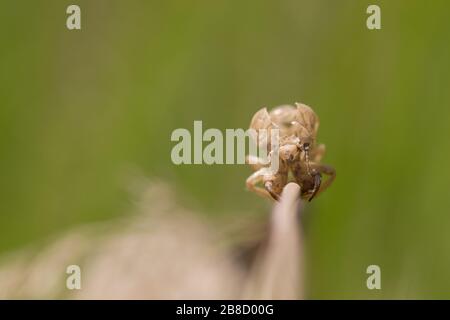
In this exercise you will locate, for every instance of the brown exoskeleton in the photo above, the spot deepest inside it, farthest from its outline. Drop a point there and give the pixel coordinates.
(299, 155)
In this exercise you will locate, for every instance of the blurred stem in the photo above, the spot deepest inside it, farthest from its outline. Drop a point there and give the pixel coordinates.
(277, 270)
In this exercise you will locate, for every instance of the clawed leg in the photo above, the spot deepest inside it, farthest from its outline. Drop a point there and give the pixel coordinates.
(256, 178)
(318, 170)
(269, 187)
(317, 155)
(317, 181)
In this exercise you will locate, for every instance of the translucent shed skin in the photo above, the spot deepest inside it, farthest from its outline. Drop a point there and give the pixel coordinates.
(299, 154)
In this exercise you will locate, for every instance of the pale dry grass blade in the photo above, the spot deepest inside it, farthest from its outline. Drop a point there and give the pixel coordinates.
(277, 270)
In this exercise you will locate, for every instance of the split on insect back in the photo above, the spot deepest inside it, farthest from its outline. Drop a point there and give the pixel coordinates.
(296, 153)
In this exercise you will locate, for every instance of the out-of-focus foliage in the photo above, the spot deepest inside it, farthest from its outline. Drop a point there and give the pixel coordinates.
(80, 110)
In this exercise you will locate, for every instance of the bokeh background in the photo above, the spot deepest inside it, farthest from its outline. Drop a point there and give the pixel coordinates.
(80, 110)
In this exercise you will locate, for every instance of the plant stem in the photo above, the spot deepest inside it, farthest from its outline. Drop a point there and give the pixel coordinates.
(277, 269)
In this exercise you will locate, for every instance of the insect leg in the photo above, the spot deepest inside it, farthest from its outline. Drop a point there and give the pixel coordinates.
(269, 187)
(327, 170)
(317, 182)
(254, 179)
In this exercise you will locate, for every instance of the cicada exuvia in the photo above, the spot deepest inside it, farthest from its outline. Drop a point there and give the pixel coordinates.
(298, 153)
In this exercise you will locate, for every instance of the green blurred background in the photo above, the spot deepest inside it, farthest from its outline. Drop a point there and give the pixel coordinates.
(81, 109)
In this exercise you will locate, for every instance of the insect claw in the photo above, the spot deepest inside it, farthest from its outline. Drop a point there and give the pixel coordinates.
(317, 182)
(268, 186)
